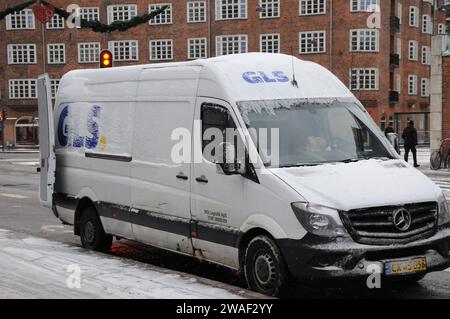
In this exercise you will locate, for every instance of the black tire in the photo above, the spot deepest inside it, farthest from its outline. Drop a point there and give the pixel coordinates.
(92, 235)
(264, 267)
(435, 160)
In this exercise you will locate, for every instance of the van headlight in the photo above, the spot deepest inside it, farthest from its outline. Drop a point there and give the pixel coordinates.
(443, 211)
(319, 220)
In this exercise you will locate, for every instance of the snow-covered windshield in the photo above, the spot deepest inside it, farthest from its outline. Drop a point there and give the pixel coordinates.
(311, 132)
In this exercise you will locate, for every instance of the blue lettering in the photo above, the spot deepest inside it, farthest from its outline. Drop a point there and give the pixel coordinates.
(92, 126)
(266, 78)
(252, 78)
(62, 127)
(281, 77)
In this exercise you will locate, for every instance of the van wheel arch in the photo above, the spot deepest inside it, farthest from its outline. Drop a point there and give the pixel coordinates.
(83, 204)
(243, 243)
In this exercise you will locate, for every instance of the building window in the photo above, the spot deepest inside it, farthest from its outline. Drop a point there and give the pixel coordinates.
(163, 18)
(21, 53)
(54, 85)
(364, 40)
(27, 130)
(123, 12)
(413, 17)
(398, 83)
(56, 53)
(20, 20)
(364, 5)
(400, 12)
(56, 22)
(413, 50)
(269, 9)
(426, 56)
(441, 28)
(231, 9)
(312, 7)
(412, 85)
(364, 79)
(88, 52)
(197, 48)
(161, 50)
(270, 43)
(124, 50)
(427, 25)
(22, 89)
(231, 44)
(312, 42)
(425, 91)
(90, 13)
(196, 11)
(398, 48)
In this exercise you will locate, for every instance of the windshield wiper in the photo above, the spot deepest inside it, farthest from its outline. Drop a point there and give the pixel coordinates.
(350, 160)
(299, 165)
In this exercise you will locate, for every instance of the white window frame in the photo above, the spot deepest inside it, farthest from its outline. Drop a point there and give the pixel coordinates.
(56, 23)
(27, 15)
(90, 13)
(166, 48)
(163, 18)
(363, 5)
(361, 34)
(413, 50)
(95, 52)
(193, 45)
(425, 87)
(130, 45)
(426, 55)
(242, 44)
(442, 29)
(399, 48)
(130, 10)
(25, 52)
(60, 53)
(367, 74)
(398, 83)
(412, 84)
(242, 11)
(400, 12)
(413, 17)
(312, 7)
(272, 40)
(427, 25)
(196, 11)
(306, 35)
(266, 6)
(27, 84)
(54, 85)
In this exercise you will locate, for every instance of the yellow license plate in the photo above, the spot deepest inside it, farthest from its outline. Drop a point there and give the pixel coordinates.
(402, 267)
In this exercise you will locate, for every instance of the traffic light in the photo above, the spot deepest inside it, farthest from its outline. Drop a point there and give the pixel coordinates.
(106, 59)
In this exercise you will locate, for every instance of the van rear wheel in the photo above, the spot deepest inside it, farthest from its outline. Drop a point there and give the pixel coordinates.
(92, 234)
(265, 269)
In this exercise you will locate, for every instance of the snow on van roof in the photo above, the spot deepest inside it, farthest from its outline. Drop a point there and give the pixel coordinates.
(239, 77)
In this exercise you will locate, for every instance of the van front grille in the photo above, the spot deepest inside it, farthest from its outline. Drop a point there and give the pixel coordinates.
(377, 226)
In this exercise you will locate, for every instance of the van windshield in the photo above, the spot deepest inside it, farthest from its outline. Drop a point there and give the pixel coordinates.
(311, 132)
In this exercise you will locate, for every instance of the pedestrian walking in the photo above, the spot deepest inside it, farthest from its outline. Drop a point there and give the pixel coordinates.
(410, 141)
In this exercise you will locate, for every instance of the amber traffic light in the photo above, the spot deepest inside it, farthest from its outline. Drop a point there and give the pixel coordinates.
(106, 59)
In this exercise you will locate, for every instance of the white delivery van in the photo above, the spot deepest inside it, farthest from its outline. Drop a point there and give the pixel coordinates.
(327, 198)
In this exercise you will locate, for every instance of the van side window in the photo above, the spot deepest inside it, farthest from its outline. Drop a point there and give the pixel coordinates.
(214, 118)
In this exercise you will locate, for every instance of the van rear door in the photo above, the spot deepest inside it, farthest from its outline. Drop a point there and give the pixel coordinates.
(46, 141)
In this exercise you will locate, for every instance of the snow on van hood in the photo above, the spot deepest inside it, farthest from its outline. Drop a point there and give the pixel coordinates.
(369, 183)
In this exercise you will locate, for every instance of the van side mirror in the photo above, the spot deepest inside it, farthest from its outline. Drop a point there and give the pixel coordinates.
(226, 160)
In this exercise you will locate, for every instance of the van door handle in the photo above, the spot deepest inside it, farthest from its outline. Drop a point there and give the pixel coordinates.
(182, 176)
(202, 179)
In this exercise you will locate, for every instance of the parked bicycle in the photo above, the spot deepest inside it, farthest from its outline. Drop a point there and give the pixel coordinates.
(442, 157)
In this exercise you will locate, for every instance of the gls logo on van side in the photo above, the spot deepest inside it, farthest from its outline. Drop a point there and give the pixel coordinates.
(263, 77)
(64, 130)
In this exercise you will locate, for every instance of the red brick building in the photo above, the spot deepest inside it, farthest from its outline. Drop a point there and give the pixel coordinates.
(383, 56)
(446, 96)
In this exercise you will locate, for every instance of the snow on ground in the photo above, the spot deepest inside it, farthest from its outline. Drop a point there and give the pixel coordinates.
(440, 177)
(38, 268)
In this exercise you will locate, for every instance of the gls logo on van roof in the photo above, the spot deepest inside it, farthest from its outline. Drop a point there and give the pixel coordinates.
(255, 77)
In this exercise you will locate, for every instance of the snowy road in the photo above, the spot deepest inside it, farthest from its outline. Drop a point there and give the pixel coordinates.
(38, 268)
(36, 251)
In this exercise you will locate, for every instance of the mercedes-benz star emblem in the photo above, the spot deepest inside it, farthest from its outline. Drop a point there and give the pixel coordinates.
(402, 219)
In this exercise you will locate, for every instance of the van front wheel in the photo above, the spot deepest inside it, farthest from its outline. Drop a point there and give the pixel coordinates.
(265, 269)
(92, 235)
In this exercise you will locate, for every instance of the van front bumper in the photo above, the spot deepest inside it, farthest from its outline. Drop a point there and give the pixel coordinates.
(314, 259)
